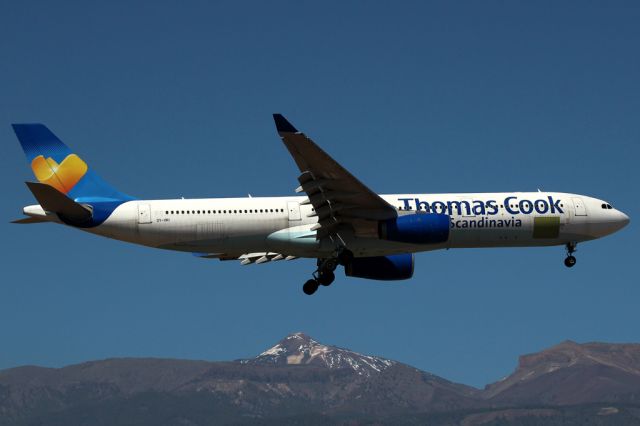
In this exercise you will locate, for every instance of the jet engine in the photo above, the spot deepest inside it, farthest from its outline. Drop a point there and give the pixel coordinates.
(386, 268)
(418, 228)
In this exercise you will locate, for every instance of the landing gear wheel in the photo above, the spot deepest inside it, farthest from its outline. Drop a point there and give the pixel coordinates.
(326, 278)
(310, 287)
(569, 261)
(345, 257)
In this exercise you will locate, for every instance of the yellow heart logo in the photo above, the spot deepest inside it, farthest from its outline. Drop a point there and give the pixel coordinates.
(63, 176)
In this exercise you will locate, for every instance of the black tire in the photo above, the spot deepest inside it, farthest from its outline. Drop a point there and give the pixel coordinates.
(570, 261)
(345, 257)
(326, 278)
(310, 287)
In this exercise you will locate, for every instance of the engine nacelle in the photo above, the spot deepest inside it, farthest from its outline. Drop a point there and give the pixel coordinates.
(419, 228)
(387, 268)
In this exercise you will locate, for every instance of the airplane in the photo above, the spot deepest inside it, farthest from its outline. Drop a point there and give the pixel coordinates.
(338, 220)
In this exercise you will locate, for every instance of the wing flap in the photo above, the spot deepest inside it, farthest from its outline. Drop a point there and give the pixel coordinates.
(247, 258)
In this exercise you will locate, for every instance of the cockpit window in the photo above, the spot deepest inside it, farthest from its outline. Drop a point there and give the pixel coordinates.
(606, 206)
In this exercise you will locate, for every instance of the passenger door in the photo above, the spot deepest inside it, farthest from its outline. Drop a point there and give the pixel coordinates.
(144, 213)
(294, 210)
(578, 206)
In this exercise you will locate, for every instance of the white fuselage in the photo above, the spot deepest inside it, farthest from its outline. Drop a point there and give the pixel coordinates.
(230, 227)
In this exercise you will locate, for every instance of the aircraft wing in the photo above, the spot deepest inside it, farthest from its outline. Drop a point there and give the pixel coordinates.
(340, 201)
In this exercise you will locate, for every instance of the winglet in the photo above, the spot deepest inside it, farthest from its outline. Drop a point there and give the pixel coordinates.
(282, 125)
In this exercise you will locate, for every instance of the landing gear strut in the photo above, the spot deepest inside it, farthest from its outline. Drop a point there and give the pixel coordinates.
(325, 275)
(345, 256)
(570, 260)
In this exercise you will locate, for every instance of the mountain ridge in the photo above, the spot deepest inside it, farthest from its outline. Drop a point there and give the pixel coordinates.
(300, 376)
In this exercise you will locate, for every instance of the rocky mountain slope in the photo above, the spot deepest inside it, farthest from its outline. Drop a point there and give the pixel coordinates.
(572, 373)
(300, 380)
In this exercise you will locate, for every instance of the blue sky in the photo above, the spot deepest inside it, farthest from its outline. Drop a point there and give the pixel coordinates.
(166, 100)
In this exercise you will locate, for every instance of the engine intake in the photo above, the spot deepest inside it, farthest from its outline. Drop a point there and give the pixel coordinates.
(386, 268)
(419, 228)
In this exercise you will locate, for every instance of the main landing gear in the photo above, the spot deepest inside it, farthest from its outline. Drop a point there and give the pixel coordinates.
(570, 260)
(325, 274)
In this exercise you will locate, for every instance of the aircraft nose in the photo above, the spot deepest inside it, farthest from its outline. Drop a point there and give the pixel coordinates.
(623, 219)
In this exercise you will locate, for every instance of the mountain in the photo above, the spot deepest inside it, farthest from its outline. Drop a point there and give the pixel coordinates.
(300, 349)
(572, 373)
(297, 376)
(302, 381)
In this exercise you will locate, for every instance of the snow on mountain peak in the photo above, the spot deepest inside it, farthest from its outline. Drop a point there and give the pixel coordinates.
(300, 349)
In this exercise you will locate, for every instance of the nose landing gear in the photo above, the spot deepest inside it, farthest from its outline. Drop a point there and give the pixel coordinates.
(570, 260)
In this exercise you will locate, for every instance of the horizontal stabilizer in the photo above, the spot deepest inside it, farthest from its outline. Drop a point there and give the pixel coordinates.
(55, 201)
(28, 220)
